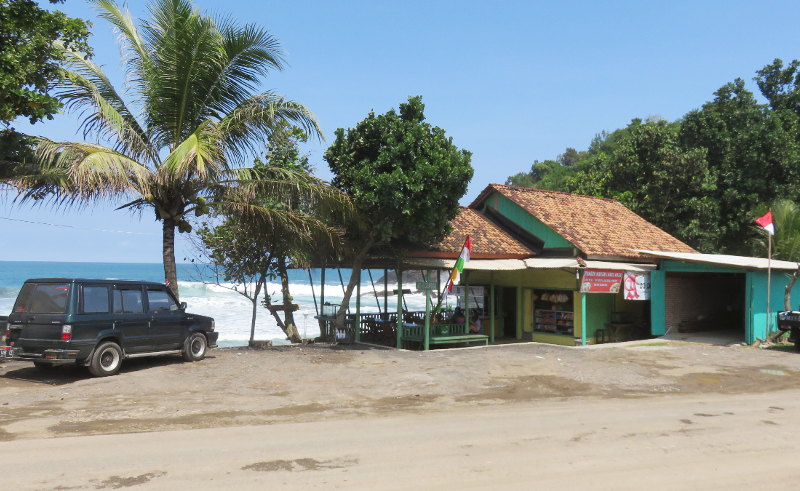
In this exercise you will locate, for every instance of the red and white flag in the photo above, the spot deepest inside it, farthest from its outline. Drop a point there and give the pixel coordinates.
(767, 223)
(458, 268)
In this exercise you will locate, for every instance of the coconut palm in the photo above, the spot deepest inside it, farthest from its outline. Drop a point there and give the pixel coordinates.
(190, 112)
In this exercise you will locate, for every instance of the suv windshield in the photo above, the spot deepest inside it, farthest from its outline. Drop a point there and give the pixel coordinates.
(42, 298)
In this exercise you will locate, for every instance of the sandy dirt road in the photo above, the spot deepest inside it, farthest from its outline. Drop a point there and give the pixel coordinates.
(668, 442)
(664, 415)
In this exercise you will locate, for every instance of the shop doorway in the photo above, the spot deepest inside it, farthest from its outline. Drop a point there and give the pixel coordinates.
(508, 311)
(708, 307)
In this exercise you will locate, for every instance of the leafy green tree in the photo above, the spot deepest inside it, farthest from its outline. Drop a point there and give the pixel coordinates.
(752, 154)
(248, 250)
(198, 113)
(31, 41)
(405, 178)
(781, 85)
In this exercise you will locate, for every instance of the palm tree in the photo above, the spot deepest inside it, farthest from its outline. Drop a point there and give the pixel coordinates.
(194, 113)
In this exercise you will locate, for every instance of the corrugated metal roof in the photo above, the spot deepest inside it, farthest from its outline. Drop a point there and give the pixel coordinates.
(724, 260)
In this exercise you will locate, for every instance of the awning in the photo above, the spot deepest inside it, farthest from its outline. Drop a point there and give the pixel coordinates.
(532, 263)
(724, 260)
(475, 264)
(566, 262)
(636, 267)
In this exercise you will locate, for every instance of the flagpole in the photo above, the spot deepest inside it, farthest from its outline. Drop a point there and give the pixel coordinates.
(769, 281)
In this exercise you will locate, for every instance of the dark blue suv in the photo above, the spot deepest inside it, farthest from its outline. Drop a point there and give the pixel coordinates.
(98, 323)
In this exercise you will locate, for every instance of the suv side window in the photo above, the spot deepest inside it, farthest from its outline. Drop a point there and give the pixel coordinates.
(159, 300)
(128, 301)
(94, 299)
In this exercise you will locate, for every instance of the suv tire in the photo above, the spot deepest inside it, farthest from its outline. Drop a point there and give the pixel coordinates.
(194, 349)
(106, 360)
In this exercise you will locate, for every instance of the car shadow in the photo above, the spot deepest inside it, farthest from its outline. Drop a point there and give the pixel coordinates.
(67, 374)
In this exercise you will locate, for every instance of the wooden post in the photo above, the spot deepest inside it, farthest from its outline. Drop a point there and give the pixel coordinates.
(491, 308)
(466, 303)
(357, 323)
(386, 291)
(426, 345)
(399, 322)
(583, 319)
(322, 290)
(323, 323)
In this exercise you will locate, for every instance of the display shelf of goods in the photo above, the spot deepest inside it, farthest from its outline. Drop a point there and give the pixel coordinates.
(554, 321)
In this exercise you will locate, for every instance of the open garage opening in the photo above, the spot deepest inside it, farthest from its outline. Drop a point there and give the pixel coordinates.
(708, 307)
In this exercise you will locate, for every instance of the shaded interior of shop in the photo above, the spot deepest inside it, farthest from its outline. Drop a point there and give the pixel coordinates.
(701, 303)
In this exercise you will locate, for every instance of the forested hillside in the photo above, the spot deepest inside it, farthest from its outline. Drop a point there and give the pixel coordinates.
(703, 178)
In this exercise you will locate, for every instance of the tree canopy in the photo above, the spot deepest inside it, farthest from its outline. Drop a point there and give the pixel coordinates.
(31, 52)
(405, 177)
(701, 178)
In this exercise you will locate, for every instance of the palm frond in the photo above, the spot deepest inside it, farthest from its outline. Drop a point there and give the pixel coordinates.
(198, 156)
(82, 172)
(136, 53)
(87, 88)
(246, 127)
(246, 54)
(187, 51)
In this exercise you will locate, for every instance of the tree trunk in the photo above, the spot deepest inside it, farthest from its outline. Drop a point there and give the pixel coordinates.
(358, 260)
(288, 313)
(787, 303)
(787, 294)
(261, 280)
(168, 251)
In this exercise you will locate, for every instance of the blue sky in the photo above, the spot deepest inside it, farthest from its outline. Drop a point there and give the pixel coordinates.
(511, 81)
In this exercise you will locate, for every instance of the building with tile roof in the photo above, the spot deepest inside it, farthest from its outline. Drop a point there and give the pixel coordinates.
(567, 269)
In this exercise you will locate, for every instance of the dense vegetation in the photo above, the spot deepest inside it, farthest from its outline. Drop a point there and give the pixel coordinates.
(31, 51)
(704, 177)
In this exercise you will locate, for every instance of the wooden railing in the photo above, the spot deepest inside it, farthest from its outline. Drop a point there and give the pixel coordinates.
(381, 328)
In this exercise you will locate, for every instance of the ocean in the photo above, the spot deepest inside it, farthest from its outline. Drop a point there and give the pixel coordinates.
(230, 310)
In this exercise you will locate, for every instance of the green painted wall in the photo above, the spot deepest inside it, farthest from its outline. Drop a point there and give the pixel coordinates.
(518, 215)
(599, 307)
(658, 304)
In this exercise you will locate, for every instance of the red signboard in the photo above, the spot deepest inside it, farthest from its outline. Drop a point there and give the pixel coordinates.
(600, 281)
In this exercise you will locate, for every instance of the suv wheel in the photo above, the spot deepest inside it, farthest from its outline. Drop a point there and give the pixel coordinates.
(194, 349)
(106, 360)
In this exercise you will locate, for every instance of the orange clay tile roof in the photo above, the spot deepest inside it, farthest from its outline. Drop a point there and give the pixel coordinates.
(596, 226)
(488, 239)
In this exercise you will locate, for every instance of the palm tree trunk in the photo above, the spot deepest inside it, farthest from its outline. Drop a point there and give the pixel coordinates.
(168, 250)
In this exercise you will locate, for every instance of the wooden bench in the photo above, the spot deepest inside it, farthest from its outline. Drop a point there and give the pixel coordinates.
(441, 334)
